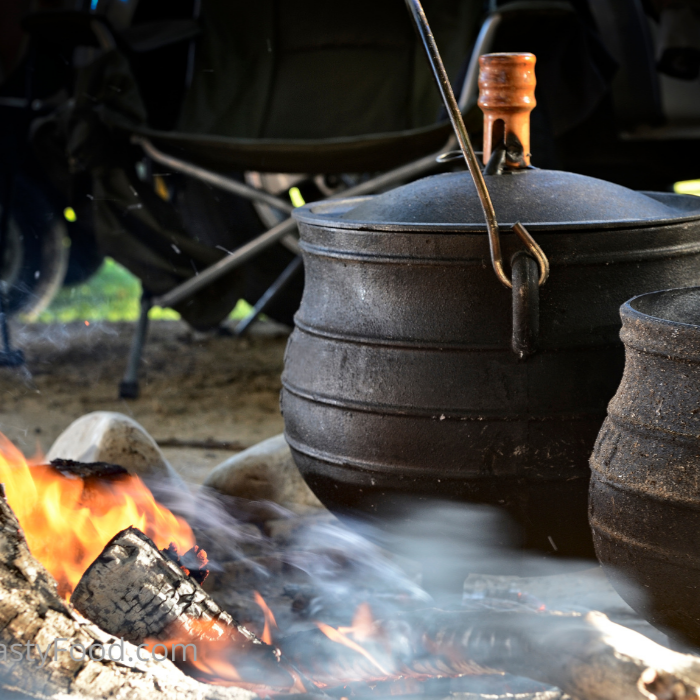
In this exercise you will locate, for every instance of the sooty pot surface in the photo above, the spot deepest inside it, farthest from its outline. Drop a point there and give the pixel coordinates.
(400, 381)
(645, 488)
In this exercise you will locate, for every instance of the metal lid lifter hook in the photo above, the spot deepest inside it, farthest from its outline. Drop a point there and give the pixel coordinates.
(443, 83)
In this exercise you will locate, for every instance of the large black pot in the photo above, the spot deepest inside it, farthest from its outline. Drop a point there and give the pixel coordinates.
(645, 490)
(400, 378)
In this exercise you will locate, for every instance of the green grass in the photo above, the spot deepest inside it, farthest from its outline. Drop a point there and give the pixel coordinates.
(111, 294)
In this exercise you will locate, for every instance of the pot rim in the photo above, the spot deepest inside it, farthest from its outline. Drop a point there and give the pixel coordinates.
(627, 310)
(654, 335)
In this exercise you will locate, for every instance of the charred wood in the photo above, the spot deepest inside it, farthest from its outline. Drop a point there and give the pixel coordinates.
(193, 562)
(33, 616)
(88, 470)
(133, 590)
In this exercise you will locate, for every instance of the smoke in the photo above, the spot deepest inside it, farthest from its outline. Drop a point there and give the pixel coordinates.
(313, 567)
(61, 336)
(308, 567)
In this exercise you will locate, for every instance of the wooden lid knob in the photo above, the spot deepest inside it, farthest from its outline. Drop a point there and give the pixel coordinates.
(506, 97)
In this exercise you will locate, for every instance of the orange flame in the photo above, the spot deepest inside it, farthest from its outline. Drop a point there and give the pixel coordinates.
(68, 521)
(338, 636)
(270, 622)
(67, 524)
(211, 647)
(362, 623)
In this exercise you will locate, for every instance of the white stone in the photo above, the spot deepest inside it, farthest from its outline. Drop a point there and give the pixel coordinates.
(105, 436)
(264, 472)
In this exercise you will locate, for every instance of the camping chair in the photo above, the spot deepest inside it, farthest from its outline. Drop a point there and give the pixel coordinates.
(218, 136)
(201, 156)
(634, 91)
(344, 155)
(394, 129)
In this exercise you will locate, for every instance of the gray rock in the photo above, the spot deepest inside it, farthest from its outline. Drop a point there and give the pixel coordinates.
(104, 436)
(264, 472)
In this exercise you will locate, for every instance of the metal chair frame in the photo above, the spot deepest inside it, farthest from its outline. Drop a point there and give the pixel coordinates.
(285, 230)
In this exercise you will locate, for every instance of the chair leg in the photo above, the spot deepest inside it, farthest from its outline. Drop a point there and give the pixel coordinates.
(9, 357)
(129, 385)
(270, 295)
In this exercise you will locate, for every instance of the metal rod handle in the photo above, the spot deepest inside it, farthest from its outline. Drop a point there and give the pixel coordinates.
(448, 98)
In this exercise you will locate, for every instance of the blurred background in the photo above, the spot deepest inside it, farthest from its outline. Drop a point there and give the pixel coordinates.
(144, 141)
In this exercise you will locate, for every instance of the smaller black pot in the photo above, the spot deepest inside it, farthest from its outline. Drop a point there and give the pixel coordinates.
(644, 505)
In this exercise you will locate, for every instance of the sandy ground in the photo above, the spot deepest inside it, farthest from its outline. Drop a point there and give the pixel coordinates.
(193, 387)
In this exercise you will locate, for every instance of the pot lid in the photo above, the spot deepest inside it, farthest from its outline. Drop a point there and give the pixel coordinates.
(537, 198)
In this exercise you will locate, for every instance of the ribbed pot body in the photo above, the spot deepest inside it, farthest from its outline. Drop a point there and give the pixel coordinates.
(399, 379)
(645, 487)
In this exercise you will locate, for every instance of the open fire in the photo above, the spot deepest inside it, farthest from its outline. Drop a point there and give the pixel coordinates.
(68, 520)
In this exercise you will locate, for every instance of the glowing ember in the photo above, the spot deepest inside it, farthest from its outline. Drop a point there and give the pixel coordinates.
(68, 522)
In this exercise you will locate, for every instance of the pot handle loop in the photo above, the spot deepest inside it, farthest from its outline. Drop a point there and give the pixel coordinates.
(526, 305)
(443, 82)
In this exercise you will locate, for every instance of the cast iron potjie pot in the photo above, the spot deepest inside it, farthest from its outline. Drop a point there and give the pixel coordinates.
(400, 378)
(645, 489)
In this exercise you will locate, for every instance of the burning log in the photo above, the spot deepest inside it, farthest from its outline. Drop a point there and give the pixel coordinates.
(587, 656)
(33, 617)
(69, 510)
(135, 591)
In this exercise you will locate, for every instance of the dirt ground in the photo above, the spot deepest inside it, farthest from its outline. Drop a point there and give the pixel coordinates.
(193, 386)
